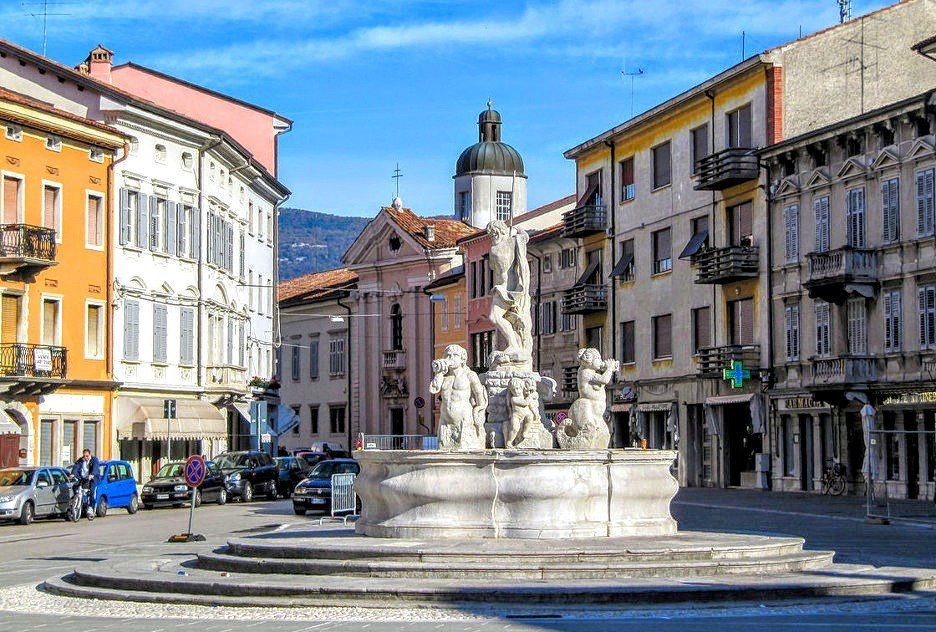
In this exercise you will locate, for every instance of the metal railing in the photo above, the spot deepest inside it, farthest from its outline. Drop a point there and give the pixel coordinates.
(721, 265)
(843, 369)
(584, 220)
(395, 359)
(714, 360)
(843, 262)
(585, 298)
(895, 490)
(727, 167)
(29, 360)
(22, 241)
(398, 442)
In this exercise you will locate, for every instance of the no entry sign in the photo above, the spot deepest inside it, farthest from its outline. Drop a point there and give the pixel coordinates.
(195, 470)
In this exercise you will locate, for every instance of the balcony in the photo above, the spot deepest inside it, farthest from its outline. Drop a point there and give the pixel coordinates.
(24, 249)
(584, 220)
(714, 360)
(28, 369)
(835, 274)
(842, 371)
(726, 265)
(224, 377)
(585, 298)
(726, 168)
(394, 360)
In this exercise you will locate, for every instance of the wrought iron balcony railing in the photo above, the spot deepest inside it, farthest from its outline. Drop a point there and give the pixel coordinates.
(725, 265)
(727, 168)
(29, 360)
(29, 243)
(584, 220)
(714, 360)
(585, 298)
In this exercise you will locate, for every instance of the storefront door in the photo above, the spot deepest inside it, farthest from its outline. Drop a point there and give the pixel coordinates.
(740, 443)
(807, 464)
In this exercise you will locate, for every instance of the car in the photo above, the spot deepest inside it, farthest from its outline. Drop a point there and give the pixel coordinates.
(116, 487)
(290, 471)
(248, 473)
(314, 493)
(30, 492)
(168, 487)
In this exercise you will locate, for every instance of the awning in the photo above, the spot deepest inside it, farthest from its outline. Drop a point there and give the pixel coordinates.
(589, 194)
(7, 425)
(142, 418)
(590, 269)
(243, 409)
(715, 416)
(724, 400)
(695, 244)
(622, 265)
(286, 419)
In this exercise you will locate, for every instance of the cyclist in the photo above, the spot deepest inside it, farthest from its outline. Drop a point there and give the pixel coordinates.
(85, 470)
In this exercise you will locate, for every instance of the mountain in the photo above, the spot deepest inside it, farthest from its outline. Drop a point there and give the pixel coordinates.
(311, 242)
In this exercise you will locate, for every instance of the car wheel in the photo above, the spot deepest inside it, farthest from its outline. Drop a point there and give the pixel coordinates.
(102, 507)
(222, 496)
(247, 494)
(197, 498)
(299, 512)
(134, 504)
(147, 506)
(26, 513)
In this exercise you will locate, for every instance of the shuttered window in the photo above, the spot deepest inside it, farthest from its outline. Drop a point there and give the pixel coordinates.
(791, 233)
(183, 220)
(741, 321)
(892, 320)
(46, 438)
(230, 341)
(11, 197)
(741, 224)
(821, 207)
(457, 312)
(739, 128)
(160, 333)
(131, 330)
(127, 214)
(662, 251)
(187, 336)
(663, 336)
(662, 175)
(855, 217)
(927, 309)
(172, 224)
(296, 362)
(857, 326)
(701, 329)
(241, 256)
(241, 346)
(890, 210)
(926, 202)
(195, 238)
(336, 357)
(50, 210)
(700, 146)
(94, 221)
(157, 208)
(313, 360)
(628, 352)
(94, 341)
(627, 179)
(51, 331)
(89, 436)
(823, 333)
(9, 318)
(791, 330)
(141, 237)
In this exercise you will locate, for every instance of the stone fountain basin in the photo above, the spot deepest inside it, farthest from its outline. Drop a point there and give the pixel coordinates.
(524, 494)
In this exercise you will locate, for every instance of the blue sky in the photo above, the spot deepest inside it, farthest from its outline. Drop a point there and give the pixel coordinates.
(376, 82)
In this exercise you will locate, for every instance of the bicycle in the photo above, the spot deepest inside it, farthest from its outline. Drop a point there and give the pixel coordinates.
(833, 479)
(80, 502)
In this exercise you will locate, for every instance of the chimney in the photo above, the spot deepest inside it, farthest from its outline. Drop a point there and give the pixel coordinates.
(429, 232)
(99, 63)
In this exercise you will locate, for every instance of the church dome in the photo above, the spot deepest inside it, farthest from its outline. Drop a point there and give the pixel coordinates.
(489, 155)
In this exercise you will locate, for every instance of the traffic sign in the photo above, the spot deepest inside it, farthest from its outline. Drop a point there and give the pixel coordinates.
(195, 470)
(561, 416)
(419, 402)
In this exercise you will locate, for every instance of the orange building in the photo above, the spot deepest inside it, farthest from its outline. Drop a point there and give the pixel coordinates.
(447, 301)
(55, 367)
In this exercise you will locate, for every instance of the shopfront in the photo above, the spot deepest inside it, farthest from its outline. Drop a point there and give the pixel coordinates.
(734, 434)
(806, 439)
(906, 447)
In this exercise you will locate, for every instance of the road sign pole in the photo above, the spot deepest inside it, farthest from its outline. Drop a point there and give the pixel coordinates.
(191, 515)
(195, 471)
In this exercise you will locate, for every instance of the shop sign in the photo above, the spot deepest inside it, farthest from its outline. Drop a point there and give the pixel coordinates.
(796, 403)
(898, 399)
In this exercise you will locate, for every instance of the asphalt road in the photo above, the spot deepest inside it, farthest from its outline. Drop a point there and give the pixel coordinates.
(31, 554)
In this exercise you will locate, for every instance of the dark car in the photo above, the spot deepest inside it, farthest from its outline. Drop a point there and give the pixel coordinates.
(314, 493)
(290, 471)
(248, 473)
(168, 487)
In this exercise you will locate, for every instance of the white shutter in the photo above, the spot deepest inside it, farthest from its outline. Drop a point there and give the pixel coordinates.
(154, 223)
(791, 236)
(142, 227)
(187, 335)
(124, 216)
(821, 206)
(159, 332)
(857, 326)
(131, 330)
(925, 209)
(169, 244)
(890, 203)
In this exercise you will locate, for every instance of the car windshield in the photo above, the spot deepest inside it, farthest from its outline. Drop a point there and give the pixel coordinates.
(171, 470)
(12, 477)
(226, 461)
(326, 469)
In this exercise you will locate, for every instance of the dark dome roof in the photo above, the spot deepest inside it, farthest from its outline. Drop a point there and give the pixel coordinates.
(489, 116)
(489, 157)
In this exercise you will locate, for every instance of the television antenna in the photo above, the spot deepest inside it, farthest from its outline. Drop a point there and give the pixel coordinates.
(845, 10)
(633, 73)
(44, 14)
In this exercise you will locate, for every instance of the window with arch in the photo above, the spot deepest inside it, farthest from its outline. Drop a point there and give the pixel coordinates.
(134, 146)
(396, 328)
(159, 153)
(188, 161)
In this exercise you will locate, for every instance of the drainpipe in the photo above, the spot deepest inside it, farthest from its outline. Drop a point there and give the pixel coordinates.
(711, 95)
(613, 238)
(109, 296)
(347, 309)
(539, 302)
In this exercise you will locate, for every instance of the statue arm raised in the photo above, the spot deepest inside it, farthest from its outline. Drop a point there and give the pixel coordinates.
(435, 386)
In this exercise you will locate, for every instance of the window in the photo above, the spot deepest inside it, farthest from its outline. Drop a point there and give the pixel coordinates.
(791, 329)
(927, 303)
(444, 315)
(700, 146)
(625, 269)
(52, 209)
(567, 258)
(94, 221)
(482, 275)
(662, 251)
(187, 336)
(188, 162)
(926, 202)
(628, 189)
(12, 199)
(159, 154)
(592, 274)
(741, 321)
(567, 322)
(96, 154)
(823, 332)
(473, 279)
(314, 360)
(789, 444)
(241, 256)
(741, 224)
(160, 333)
(739, 128)
(131, 343)
(457, 316)
(157, 218)
(661, 165)
(821, 207)
(313, 418)
(857, 312)
(53, 143)
(464, 206)
(892, 320)
(296, 362)
(791, 233)
(51, 321)
(890, 210)
(855, 217)
(482, 344)
(701, 329)
(503, 205)
(183, 238)
(699, 229)
(548, 318)
(396, 328)
(250, 217)
(663, 336)
(89, 437)
(336, 419)
(94, 331)
(547, 263)
(14, 132)
(593, 193)
(628, 352)
(336, 357)
(593, 337)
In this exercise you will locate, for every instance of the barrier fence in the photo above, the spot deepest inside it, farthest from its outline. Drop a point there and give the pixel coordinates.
(901, 475)
(343, 499)
(398, 442)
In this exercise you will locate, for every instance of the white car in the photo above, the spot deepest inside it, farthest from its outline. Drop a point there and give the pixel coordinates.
(30, 492)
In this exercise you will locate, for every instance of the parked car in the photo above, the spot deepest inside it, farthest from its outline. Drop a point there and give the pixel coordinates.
(248, 473)
(116, 487)
(30, 492)
(314, 493)
(168, 487)
(290, 471)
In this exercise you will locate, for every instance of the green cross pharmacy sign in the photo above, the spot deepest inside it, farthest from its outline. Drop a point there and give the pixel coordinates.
(736, 374)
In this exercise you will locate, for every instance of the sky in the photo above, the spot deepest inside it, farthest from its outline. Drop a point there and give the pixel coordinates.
(373, 83)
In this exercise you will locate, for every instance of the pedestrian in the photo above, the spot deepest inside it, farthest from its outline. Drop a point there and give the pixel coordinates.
(85, 470)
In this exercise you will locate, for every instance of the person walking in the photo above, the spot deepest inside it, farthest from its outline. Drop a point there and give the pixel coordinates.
(85, 470)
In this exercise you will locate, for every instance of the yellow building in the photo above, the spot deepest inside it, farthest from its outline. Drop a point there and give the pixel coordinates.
(55, 365)
(447, 298)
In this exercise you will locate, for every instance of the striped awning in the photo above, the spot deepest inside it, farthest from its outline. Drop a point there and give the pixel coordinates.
(142, 418)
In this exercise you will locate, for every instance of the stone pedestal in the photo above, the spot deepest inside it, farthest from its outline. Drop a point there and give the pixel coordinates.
(498, 411)
(538, 494)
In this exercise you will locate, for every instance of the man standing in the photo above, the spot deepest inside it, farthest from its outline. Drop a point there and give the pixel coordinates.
(85, 470)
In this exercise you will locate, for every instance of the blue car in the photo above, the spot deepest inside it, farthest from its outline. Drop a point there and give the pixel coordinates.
(116, 487)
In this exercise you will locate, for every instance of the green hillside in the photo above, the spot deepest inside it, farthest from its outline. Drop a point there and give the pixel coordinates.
(311, 242)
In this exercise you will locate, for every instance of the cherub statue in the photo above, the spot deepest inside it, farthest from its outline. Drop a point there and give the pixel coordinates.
(585, 428)
(464, 401)
(524, 412)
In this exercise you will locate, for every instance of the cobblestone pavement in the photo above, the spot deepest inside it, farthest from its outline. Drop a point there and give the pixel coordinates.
(31, 554)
